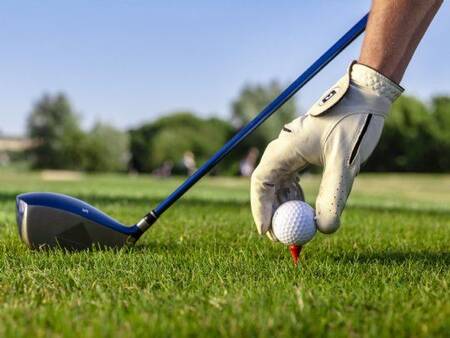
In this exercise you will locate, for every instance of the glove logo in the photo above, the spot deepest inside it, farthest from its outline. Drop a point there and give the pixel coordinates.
(327, 97)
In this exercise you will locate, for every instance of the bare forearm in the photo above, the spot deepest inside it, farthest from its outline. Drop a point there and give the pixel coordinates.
(394, 30)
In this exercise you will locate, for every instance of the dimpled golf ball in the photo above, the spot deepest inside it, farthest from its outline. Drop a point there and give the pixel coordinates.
(293, 223)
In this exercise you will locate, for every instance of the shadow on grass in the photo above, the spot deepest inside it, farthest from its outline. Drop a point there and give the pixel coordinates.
(395, 257)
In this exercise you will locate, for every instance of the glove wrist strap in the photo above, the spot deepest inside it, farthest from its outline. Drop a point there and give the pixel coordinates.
(374, 81)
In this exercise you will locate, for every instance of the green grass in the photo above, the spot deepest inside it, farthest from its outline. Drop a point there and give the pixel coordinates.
(203, 271)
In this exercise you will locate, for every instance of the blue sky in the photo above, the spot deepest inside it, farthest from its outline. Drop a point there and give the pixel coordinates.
(125, 62)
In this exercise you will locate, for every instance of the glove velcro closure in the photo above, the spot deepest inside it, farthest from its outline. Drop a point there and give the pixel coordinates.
(333, 95)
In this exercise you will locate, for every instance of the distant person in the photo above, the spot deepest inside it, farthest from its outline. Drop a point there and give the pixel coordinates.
(189, 162)
(342, 128)
(248, 163)
(4, 159)
(165, 170)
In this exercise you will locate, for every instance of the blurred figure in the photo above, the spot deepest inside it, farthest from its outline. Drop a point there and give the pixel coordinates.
(248, 163)
(165, 170)
(4, 159)
(189, 162)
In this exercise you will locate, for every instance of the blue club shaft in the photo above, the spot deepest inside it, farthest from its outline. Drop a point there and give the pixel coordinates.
(295, 86)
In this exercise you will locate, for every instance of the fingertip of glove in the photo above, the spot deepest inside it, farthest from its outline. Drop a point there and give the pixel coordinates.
(260, 232)
(327, 223)
(262, 229)
(271, 236)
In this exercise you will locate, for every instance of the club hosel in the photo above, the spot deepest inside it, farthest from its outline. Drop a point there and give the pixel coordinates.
(145, 223)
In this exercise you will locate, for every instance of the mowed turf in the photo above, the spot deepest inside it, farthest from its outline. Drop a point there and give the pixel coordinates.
(203, 271)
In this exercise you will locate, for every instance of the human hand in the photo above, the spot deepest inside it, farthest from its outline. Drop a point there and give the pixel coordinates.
(339, 132)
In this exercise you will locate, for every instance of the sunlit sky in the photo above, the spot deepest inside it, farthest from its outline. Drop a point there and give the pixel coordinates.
(126, 62)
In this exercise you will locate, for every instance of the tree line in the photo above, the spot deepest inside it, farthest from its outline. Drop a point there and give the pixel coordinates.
(416, 137)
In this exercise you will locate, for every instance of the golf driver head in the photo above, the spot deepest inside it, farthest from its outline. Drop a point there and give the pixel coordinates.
(48, 220)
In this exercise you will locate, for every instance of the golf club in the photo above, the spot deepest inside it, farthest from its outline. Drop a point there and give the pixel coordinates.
(48, 220)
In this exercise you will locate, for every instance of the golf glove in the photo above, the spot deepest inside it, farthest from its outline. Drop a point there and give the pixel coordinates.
(339, 132)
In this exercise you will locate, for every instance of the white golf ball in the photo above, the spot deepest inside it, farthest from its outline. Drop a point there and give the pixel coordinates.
(293, 223)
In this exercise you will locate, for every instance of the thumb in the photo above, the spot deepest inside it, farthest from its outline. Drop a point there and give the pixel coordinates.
(279, 161)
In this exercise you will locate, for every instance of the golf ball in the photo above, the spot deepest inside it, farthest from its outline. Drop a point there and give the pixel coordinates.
(293, 223)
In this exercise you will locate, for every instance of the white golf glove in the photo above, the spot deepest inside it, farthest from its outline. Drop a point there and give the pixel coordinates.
(339, 132)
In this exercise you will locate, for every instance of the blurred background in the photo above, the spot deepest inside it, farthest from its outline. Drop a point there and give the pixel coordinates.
(157, 87)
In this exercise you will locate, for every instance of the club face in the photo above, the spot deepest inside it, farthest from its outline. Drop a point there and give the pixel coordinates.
(48, 220)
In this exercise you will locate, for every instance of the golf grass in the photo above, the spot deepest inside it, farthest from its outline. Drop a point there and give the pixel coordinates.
(202, 270)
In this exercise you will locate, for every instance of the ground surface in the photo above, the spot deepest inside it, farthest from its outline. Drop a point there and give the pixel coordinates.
(203, 271)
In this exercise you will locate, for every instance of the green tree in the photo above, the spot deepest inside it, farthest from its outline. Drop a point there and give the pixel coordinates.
(55, 127)
(169, 137)
(105, 149)
(251, 100)
(440, 112)
(415, 137)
